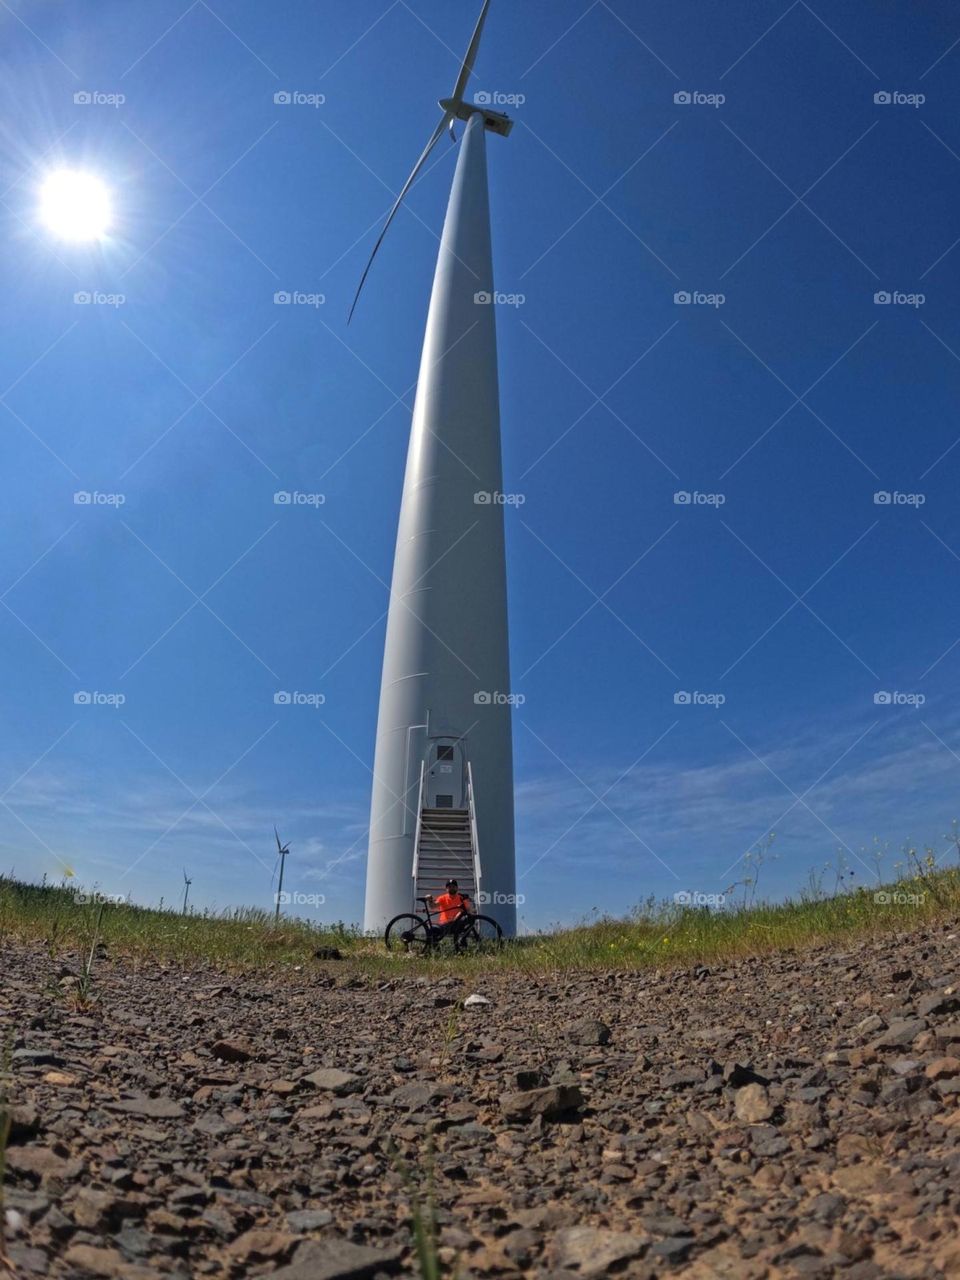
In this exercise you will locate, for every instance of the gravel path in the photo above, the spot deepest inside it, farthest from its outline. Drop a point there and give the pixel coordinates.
(795, 1115)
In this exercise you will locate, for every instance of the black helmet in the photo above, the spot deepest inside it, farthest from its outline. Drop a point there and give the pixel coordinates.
(450, 884)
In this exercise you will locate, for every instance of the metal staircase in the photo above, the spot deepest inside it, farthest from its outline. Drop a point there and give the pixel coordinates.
(445, 848)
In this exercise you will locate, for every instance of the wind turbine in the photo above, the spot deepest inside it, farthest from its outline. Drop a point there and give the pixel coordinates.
(187, 882)
(282, 851)
(444, 739)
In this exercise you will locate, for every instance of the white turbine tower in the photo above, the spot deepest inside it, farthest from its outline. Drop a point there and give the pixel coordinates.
(442, 803)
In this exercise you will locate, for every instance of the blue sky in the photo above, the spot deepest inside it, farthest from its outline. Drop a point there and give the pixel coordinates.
(794, 399)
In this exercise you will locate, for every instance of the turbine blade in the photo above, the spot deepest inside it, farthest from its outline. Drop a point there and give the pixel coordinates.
(471, 55)
(276, 834)
(434, 139)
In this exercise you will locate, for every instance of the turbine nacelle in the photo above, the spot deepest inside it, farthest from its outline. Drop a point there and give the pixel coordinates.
(453, 108)
(495, 121)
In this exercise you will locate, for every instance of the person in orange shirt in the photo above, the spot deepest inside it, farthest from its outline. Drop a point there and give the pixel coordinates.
(449, 906)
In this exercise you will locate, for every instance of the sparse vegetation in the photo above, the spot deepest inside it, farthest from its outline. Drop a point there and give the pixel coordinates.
(655, 934)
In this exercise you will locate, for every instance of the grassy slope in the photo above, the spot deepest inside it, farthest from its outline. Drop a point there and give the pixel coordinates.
(660, 936)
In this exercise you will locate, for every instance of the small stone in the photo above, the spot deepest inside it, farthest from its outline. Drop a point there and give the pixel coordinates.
(90, 1260)
(62, 1079)
(900, 1034)
(142, 1105)
(309, 1219)
(588, 1031)
(753, 1104)
(338, 1259)
(595, 1251)
(943, 1068)
(939, 1002)
(261, 1246)
(476, 1002)
(333, 1080)
(232, 1050)
(551, 1102)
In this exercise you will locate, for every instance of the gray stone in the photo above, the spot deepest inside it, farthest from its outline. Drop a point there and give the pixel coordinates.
(337, 1259)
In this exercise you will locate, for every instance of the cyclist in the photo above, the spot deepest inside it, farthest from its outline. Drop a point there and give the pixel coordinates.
(449, 906)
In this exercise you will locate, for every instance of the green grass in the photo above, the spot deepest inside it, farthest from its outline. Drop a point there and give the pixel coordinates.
(657, 935)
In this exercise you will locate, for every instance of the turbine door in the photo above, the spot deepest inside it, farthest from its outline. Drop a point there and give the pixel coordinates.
(444, 788)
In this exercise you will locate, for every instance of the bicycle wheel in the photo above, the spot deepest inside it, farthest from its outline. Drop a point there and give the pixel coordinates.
(408, 934)
(480, 934)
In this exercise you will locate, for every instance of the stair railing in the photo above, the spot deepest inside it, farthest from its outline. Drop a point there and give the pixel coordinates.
(416, 830)
(474, 837)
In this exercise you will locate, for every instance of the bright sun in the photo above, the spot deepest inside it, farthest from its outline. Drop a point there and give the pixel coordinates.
(75, 205)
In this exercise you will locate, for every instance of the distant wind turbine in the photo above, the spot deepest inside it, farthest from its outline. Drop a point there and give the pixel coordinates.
(187, 882)
(282, 851)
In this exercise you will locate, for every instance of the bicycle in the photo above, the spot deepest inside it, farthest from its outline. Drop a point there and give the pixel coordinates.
(418, 935)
